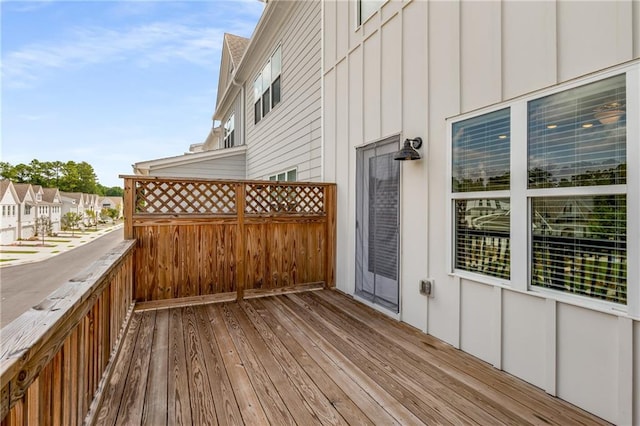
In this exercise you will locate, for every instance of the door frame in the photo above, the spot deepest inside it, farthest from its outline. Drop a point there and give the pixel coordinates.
(397, 139)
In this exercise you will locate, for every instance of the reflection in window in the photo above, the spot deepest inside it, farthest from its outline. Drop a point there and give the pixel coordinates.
(482, 238)
(583, 248)
(578, 137)
(481, 154)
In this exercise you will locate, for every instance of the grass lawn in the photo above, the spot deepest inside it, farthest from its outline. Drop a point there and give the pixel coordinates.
(6, 260)
(19, 251)
(59, 241)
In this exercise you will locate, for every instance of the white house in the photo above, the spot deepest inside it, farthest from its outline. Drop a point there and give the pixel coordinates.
(72, 202)
(26, 210)
(10, 205)
(268, 104)
(271, 99)
(530, 106)
(112, 203)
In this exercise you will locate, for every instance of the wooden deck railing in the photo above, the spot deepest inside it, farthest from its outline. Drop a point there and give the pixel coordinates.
(225, 240)
(53, 357)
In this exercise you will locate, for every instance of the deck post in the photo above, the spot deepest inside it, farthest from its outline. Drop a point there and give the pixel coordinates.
(240, 241)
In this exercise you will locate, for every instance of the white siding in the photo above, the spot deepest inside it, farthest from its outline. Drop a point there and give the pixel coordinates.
(221, 168)
(289, 136)
(406, 70)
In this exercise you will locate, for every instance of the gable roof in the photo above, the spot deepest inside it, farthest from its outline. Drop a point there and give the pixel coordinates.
(144, 167)
(237, 46)
(22, 189)
(7, 186)
(49, 195)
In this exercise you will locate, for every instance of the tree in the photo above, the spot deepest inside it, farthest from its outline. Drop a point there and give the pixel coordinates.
(71, 220)
(93, 217)
(43, 227)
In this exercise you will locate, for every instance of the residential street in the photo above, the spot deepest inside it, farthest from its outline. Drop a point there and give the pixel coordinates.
(23, 286)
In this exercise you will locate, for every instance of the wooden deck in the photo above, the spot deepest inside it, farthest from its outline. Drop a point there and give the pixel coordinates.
(308, 358)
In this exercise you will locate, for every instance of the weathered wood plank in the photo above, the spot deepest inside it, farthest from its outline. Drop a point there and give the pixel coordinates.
(246, 398)
(221, 389)
(133, 397)
(274, 407)
(155, 402)
(364, 387)
(203, 409)
(506, 392)
(307, 378)
(112, 397)
(179, 407)
(321, 370)
(287, 387)
(376, 372)
(448, 397)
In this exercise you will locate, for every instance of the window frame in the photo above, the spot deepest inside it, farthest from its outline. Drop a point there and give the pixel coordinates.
(260, 109)
(521, 197)
(228, 139)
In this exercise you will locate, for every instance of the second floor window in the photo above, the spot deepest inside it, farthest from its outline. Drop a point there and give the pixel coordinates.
(229, 132)
(266, 87)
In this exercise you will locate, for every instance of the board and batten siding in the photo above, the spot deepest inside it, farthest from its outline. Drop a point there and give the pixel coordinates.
(289, 136)
(405, 70)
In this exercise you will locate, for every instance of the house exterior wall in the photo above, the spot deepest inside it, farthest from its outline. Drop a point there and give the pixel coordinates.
(407, 69)
(9, 222)
(224, 168)
(289, 136)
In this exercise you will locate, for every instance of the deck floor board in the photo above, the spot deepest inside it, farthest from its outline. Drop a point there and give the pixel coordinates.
(308, 358)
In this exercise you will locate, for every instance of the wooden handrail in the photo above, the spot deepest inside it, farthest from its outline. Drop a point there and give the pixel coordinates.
(79, 324)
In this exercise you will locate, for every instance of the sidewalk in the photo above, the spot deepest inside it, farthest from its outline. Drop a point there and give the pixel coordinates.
(21, 252)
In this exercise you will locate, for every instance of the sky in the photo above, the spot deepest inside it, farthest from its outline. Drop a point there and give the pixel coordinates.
(110, 82)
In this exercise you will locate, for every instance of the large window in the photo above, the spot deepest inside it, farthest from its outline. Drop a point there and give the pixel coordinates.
(229, 132)
(266, 87)
(288, 176)
(571, 201)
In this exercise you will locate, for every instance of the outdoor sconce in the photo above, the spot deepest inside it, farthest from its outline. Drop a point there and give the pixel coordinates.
(408, 151)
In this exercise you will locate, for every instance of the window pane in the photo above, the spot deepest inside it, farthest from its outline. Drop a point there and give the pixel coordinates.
(291, 175)
(276, 63)
(275, 92)
(266, 103)
(257, 88)
(266, 76)
(257, 108)
(578, 137)
(482, 239)
(581, 245)
(367, 8)
(481, 155)
(282, 176)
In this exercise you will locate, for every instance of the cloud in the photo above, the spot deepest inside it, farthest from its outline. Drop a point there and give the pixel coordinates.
(145, 44)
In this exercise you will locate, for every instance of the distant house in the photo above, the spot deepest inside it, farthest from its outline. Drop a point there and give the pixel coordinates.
(27, 210)
(52, 197)
(112, 203)
(72, 202)
(10, 205)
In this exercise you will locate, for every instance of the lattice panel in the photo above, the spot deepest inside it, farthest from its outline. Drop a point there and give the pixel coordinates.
(167, 197)
(282, 198)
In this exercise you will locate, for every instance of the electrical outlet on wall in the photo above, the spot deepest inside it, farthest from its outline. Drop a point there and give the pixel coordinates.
(426, 287)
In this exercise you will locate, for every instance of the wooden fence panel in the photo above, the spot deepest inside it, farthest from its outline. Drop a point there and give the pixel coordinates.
(199, 238)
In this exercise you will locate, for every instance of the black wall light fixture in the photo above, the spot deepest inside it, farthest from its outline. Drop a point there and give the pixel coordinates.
(408, 151)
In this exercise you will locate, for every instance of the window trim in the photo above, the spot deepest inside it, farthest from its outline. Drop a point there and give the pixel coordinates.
(286, 173)
(521, 196)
